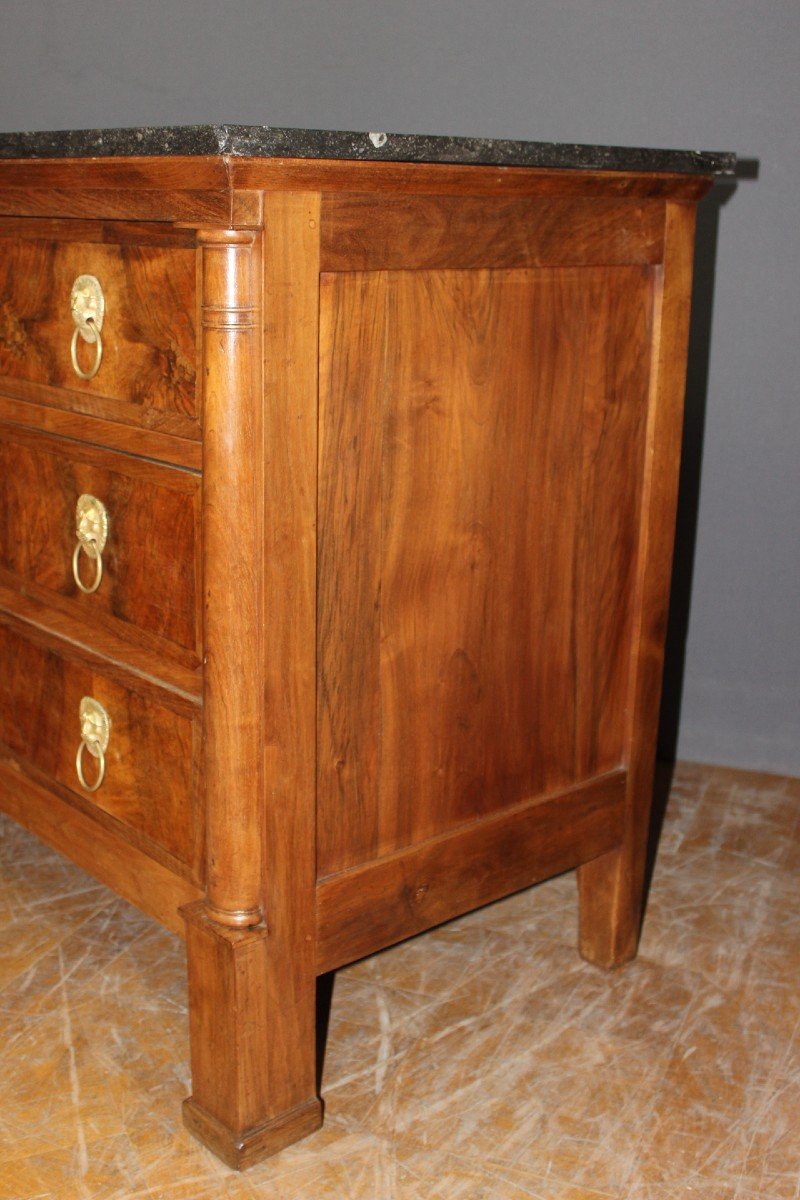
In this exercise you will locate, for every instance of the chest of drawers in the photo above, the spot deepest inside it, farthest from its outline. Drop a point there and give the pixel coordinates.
(336, 510)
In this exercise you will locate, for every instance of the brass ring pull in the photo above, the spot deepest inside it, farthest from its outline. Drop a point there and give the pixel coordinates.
(91, 530)
(91, 552)
(98, 354)
(96, 751)
(88, 306)
(95, 732)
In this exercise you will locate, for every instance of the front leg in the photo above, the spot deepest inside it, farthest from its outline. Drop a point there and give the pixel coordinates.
(253, 1077)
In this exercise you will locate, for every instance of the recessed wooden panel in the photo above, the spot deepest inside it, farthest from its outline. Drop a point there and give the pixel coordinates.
(149, 587)
(150, 786)
(147, 376)
(481, 455)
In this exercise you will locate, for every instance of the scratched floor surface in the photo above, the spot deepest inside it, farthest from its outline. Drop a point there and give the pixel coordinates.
(481, 1061)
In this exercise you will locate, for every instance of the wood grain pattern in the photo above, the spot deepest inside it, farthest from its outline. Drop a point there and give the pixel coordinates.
(112, 204)
(611, 887)
(147, 376)
(141, 189)
(151, 783)
(258, 1143)
(370, 233)
(233, 567)
(51, 614)
(291, 331)
(156, 174)
(112, 233)
(152, 887)
(227, 1007)
(151, 563)
(231, 1005)
(440, 179)
(253, 990)
(431, 415)
(482, 454)
(130, 439)
(372, 906)
(204, 190)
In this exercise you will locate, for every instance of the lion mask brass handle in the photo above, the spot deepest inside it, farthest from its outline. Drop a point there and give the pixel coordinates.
(88, 309)
(91, 530)
(95, 732)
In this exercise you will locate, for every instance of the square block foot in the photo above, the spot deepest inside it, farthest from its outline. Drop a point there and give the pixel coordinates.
(242, 1150)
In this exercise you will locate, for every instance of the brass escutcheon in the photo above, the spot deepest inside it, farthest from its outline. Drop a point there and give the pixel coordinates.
(88, 306)
(95, 732)
(91, 530)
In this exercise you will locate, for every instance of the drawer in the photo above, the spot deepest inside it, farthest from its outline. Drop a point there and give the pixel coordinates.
(150, 563)
(149, 788)
(149, 330)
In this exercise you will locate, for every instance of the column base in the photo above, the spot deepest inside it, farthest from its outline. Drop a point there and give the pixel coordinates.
(242, 1150)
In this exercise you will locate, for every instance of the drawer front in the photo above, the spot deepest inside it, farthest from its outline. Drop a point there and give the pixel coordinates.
(150, 568)
(149, 330)
(149, 786)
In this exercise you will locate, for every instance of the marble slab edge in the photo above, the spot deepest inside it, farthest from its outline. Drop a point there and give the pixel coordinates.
(266, 141)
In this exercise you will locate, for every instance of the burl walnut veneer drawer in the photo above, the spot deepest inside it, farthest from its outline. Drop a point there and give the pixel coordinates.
(151, 761)
(148, 279)
(150, 563)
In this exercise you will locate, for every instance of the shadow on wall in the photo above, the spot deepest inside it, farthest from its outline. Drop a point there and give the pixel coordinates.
(692, 455)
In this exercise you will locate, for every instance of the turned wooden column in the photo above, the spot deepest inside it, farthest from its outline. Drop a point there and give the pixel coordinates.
(250, 943)
(233, 543)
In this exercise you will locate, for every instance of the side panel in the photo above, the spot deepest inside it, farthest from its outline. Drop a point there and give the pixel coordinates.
(481, 460)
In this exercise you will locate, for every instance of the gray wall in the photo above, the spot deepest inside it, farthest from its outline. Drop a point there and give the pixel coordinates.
(717, 74)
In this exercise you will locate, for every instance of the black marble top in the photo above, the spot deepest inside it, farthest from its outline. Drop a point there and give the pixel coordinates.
(265, 141)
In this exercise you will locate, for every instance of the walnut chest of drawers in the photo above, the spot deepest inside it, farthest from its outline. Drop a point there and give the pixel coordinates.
(337, 489)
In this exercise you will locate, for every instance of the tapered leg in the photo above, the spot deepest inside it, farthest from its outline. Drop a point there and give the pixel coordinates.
(611, 890)
(253, 1081)
(612, 887)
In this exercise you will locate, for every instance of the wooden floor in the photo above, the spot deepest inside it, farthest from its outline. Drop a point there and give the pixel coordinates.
(481, 1061)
